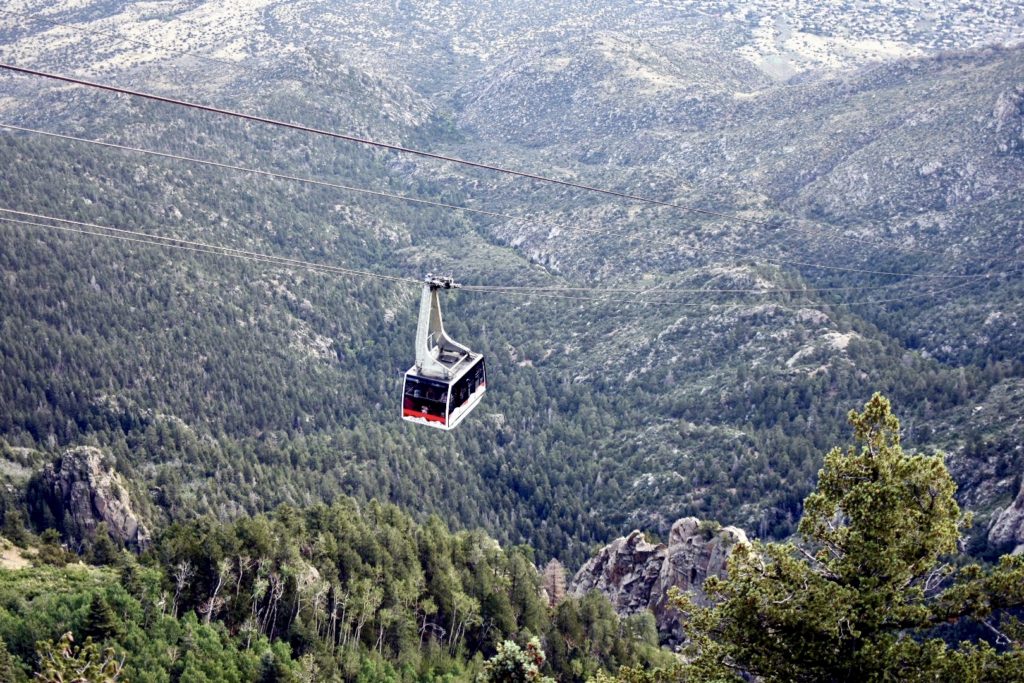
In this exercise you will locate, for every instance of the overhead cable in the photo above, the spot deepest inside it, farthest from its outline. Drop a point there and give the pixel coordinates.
(363, 141)
(385, 145)
(710, 304)
(123, 234)
(417, 200)
(261, 172)
(217, 250)
(193, 245)
(833, 232)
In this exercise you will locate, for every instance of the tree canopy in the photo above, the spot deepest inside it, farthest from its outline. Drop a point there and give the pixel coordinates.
(871, 589)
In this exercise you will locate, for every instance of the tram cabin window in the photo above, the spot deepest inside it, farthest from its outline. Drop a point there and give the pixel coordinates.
(468, 384)
(424, 396)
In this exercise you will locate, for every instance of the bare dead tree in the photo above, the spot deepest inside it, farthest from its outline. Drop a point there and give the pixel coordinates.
(553, 581)
(183, 573)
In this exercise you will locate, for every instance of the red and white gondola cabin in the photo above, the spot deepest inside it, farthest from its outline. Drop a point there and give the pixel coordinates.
(448, 380)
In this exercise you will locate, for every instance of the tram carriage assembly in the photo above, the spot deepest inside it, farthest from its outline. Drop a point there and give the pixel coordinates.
(448, 379)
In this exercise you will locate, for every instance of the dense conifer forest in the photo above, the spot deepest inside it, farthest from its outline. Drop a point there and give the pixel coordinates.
(203, 471)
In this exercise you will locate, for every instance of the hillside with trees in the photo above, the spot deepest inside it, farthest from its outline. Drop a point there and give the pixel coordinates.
(789, 217)
(875, 587)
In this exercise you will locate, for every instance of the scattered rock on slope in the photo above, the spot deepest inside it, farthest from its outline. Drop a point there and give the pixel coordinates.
(637, 575)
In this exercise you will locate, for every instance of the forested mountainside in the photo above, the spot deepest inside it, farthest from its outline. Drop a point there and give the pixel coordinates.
(331, 592)
(232, 387)
(836, 211)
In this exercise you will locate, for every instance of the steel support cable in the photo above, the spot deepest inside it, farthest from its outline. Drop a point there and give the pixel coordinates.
(441, 157)
(194, 245)
(95, 230)
(216, 250)
(260, 172)
(729, 254)
(238, 66)
(159, 240)
(655, 289)
(786, 261)
(788, 305)
(365, 141)
(479, 288)
(213, 250)
(388, 195)
(686, 290)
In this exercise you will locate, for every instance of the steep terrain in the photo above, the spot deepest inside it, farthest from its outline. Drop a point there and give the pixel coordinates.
(637, 575)
(230, 387)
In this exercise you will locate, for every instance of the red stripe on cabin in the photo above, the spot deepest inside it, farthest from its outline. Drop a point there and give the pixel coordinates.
(406, 412)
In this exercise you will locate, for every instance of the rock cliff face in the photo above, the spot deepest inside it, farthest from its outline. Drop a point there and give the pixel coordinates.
(80, 490)
(636, 575)
(1007, 531)
(1008, 115)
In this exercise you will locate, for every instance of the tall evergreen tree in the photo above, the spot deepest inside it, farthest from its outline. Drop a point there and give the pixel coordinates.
(9, 669)
(101, 623)
(514, 664)
(63, 661)
(860, 595)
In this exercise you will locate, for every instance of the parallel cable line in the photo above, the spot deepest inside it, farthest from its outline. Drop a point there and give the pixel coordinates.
(833, 232)
(261, 172)
(364, 141)
(217, 250)
(733, 304)
(135, 236)
(193, 245)
(372, 143)
(682, 290)
(791, 262)
(239, 66)
(523, 291)
(441, 157)
(417, 200)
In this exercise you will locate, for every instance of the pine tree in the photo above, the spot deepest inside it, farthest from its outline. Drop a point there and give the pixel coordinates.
(9, 669)
(101, 623)
(860, 594)
(103, 550)
(514, 664)
(63, 661)
(14, 528)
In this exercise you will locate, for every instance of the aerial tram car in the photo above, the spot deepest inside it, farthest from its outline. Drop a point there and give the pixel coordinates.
(448, 379)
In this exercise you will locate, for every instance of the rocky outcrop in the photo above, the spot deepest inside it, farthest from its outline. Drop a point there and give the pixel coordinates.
(636, 575)
(1008, 119)
(79, 491)
(1007, 531)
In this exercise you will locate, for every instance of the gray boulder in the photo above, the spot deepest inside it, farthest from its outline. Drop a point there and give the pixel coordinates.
(636, 575)
(1007, 531)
